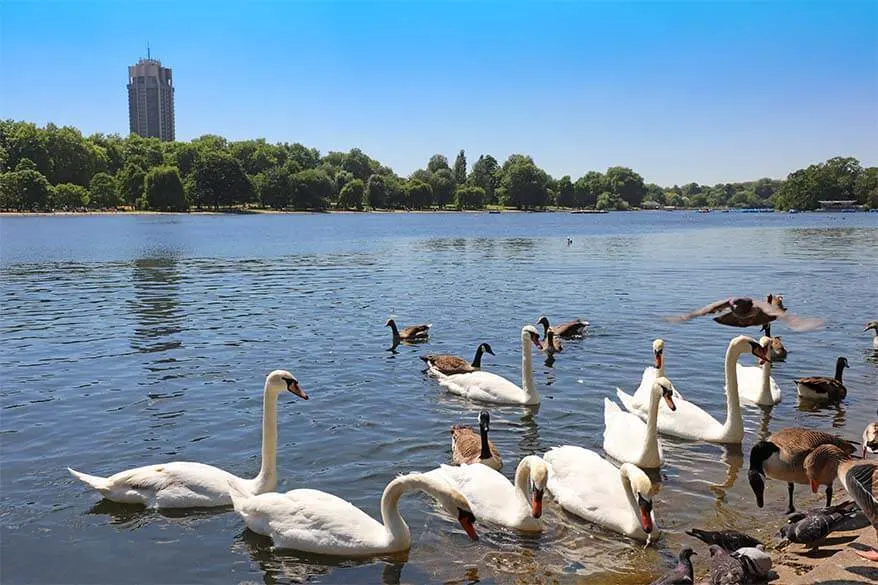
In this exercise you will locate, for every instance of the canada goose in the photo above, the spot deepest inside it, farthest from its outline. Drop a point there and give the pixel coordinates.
(776, 301)
(552, 344)
(870, 438)
(860, 481)
(468, 447)
(747, 312)
(873, 325)
(569, 330)
(682, 573)
(412, 333)
(782, 456)
(451, 364)
(823, 387)
(778, 352)
(821, 467)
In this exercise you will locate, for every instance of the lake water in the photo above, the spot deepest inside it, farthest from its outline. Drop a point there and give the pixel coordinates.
(129, 340)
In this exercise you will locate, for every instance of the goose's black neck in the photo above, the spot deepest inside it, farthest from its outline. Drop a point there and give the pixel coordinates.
(839, 370)
(486, 450)
(477, 360)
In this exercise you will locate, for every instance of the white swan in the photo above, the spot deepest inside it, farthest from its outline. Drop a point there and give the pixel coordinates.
(755, 384)
(494, 498)
(320, 523)
(691, 421)
(489, 387)
(185, 484)
(627, 439)
(643, 394)
(585, 484)
(873, 325)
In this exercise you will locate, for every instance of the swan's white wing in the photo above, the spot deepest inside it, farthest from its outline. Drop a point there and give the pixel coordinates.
(630, 404)
(589, 486)
(491, 496)
(624, 433)
(313, 521)
(484, 386)
(689, 421)
(179, 484)
(750, 385)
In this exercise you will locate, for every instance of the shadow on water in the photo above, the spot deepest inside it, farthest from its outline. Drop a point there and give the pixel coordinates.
(288, 566)
(134, 516)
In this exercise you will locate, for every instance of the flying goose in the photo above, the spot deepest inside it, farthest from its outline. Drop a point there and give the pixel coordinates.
(782, 456)
(568, 330)
(452, 364)
(467, 447)
(747, 312)
(824, 387)
(411, 333)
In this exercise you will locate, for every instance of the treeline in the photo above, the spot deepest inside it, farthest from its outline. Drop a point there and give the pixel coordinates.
(58, 168)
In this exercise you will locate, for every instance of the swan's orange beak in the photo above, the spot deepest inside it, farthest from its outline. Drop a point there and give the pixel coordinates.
(536, 509)
(536, 341)
(467, 520)
(658, 360)
(645, 514)
(297, 390)
(814, 486)
(761, 353)
(669, 400)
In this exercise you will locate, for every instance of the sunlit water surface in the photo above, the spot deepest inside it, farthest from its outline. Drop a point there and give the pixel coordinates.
(134, 340)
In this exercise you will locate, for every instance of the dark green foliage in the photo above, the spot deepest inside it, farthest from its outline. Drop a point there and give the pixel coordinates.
(351, 196)
(70, 197)
(460, 168)
(437, 162)
(470, 197)
(164, 190)
(376, 192)
(418, 194)
(566, 192)
(486, 174)
(104, 193)
(25, 189)
(443, 185)
(312, 189)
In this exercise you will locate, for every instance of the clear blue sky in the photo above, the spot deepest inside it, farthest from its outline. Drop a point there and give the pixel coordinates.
(703, 91)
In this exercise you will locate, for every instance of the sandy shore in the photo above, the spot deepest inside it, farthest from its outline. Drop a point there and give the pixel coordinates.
(835, 563)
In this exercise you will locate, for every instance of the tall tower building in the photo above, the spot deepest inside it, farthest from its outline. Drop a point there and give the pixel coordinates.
(151, 100)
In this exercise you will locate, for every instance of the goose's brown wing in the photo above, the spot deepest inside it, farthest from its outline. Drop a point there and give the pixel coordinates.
(799, 442)
(860, 479)
(824, 385)
(466, 445)
(569, 329)
(449, 364)
(706, 309)
(414, 331)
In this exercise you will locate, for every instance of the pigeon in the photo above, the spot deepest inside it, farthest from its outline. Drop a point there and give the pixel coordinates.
(749, 312)
(812, 528)
(724, 568)
(755, 560)
(729, 540)
(682, 574)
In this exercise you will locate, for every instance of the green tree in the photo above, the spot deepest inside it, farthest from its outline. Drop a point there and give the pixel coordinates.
(626, 184)
(26, 189)
(469, 197)
(437, 162)
(608, 201)
(376, 192)
(220, 181)
(312, 189)
(70, 197)
(422, 175)
(867, 185)
(587, 188)
(523, 184)
(396, 195)
(358, 164)
(653, 192)
(9, 197)
(130, 182)
(443, 185)
(566, 192)
(351, 196)
(273, 188)
(485, 174)
(418, 194)
(103, 191)
(460, 168)
(164, 190)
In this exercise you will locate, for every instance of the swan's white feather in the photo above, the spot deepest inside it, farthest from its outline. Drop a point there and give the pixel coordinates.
(626, 439)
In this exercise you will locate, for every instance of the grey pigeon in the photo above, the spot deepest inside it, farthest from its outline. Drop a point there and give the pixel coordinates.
(724, 568)
(682, 574)
(810, 529)
(730, 540)
(755, 560)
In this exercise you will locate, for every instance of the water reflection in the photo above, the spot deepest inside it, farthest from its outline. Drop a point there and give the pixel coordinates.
(529, 443)
(156, 306)
(134, 516)
(839, 413)
(733, 459)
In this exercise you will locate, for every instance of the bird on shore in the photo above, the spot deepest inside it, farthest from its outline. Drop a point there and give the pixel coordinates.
(749, 312)
(682, 574)
(726, 569)
(411, 333)
(824, 388)
(730, 540)
(452, 364)
(813, 528)
(755, 560)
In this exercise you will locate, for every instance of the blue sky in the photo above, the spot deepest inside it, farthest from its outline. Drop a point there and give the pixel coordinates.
(687, 91)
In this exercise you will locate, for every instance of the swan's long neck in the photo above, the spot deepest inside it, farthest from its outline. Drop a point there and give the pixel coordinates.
(765, 392)
(266, 481)
(660, 365)
(629, 491)
(527, 372)
(522, 480)
(650, 448)
(733, 429)
(397, 529)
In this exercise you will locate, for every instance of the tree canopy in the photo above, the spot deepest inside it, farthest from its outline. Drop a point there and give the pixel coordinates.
(57, 167)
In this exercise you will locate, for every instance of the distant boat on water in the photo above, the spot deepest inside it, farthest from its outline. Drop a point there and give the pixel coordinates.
(589, 211)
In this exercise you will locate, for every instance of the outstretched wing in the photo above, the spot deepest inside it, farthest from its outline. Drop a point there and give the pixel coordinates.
(711, 308)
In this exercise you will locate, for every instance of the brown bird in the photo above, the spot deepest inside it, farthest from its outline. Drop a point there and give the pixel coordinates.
(569, 330)
(777, 351)
(412, 333)
(821, 466)
(452, 364)
(747, 312)
(870, 438)
(860, 480)
(822, 387)
(782, 456)
(467, 447)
